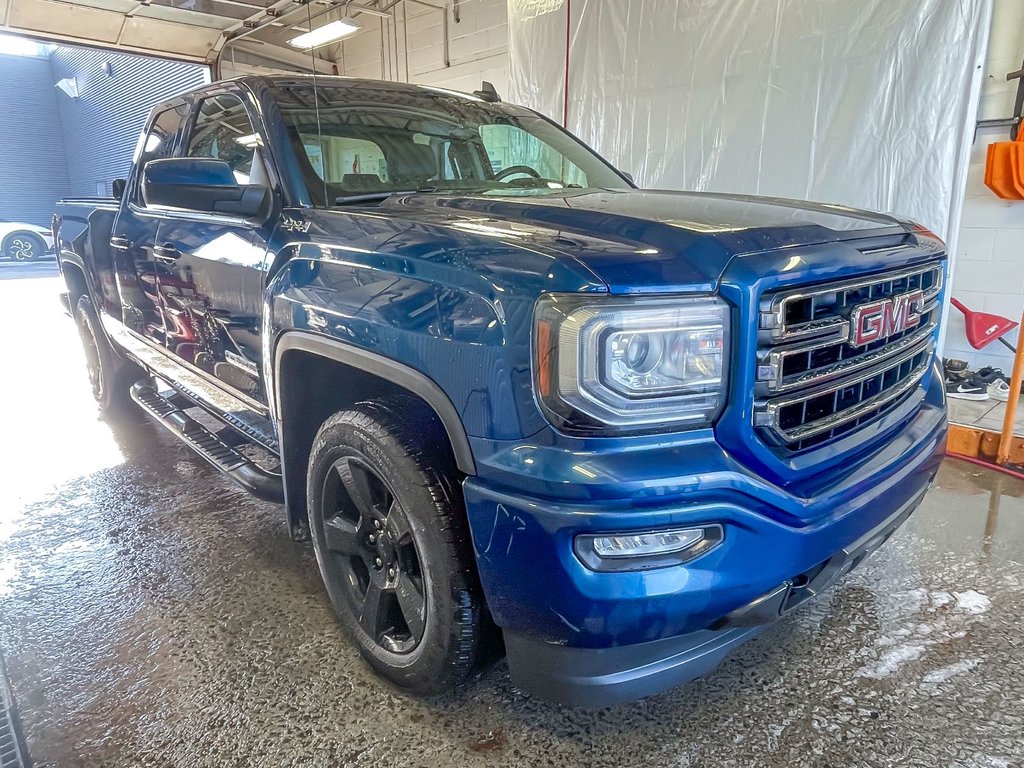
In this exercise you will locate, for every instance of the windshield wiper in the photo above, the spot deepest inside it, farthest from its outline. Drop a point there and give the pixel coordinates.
(371, 197)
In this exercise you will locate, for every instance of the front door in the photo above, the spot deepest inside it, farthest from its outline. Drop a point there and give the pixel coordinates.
(212, 267)
(136, 272)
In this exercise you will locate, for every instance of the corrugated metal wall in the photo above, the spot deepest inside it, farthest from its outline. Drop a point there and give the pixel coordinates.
(53, 146)
(33, 173)
(102, 125)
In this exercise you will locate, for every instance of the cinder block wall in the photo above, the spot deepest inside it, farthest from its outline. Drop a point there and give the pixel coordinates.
(478, 46)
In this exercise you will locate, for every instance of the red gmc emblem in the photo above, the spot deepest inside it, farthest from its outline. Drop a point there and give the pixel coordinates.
(884, 318)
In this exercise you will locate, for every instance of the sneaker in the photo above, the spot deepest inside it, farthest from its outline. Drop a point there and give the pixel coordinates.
(990, 375)
(966, 389)
(999, 390)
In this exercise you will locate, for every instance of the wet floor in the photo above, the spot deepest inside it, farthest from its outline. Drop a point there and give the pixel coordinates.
(152, 615)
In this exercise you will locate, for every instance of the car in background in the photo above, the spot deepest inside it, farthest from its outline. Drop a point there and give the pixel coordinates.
(21, 241)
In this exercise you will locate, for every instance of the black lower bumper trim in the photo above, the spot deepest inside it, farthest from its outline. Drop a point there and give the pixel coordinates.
(603, 677)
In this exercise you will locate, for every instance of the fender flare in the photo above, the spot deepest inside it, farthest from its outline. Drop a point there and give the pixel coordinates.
(65, 256)
(390, 370)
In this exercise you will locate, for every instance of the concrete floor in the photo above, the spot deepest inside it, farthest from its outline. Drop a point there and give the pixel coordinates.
(986, 414)
(152, 615)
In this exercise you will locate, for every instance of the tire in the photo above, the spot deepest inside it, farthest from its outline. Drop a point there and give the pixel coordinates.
(110, 376)
(24, 246)
(390, 536)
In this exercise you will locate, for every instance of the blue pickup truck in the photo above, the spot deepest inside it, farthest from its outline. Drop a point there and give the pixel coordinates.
(506, 393)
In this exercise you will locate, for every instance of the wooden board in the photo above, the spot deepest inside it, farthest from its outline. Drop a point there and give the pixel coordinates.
(976, 443)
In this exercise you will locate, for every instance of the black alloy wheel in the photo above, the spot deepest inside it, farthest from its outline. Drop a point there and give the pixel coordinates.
(85, 319)
(391, 539)
(110, 376)
(372, 549)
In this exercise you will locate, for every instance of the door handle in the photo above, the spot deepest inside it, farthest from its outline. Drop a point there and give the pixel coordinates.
(166, 252)
(121, 243)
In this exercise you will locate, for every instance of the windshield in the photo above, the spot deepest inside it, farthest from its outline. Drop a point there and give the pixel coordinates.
(367, 142)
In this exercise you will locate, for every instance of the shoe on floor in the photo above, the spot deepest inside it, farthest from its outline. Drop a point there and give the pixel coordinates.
(954, 368)
(990, 375)
(999, 390)
(966, 389)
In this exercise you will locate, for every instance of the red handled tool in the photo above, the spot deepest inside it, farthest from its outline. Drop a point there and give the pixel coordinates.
(983, 328)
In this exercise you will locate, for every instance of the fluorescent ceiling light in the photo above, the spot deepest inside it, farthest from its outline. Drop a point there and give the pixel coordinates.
(328, 33)
(249, 141)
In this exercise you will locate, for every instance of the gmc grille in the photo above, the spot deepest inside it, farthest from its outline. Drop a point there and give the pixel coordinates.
(814, 384)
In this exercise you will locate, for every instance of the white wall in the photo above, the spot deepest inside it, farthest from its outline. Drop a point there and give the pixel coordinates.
(478, 46)
(864, 103)
(989, 268)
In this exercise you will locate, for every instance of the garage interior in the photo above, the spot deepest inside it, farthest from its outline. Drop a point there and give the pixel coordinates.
(153, 614)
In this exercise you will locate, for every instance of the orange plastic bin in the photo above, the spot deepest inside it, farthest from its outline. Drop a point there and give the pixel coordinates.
(1004, 168)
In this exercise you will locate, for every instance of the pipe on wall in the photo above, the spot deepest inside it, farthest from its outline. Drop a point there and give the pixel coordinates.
(565, 98)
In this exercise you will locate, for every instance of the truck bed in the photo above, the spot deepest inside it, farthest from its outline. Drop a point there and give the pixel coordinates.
(83, 227)
(89, 202)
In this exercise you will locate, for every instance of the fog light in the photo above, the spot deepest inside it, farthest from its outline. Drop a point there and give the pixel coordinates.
(647, 549)
(660, 543)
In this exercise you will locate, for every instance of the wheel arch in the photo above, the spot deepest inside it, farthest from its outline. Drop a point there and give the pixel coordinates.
(74, 277)
(365, 375)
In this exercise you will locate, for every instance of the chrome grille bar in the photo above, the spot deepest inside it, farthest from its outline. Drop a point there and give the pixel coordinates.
(771, 367)
(814, 383)
(838, 418)
(775, 311)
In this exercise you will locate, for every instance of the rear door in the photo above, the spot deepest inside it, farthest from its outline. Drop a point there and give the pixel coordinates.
(212, 266)
(133, 236)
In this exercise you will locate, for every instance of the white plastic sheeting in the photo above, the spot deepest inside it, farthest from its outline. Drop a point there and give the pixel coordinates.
(868, 103)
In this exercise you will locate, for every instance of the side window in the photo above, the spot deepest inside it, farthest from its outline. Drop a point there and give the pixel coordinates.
(508, 146)
(158, 141)
(223, 131)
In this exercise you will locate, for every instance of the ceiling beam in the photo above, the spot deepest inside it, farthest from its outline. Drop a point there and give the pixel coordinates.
(178, 37)
(249, 25)
(271, 13)
(239, 3)
(282, 55)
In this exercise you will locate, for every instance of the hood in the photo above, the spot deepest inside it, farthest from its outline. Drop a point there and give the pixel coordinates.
(16, 226)
(649, 241)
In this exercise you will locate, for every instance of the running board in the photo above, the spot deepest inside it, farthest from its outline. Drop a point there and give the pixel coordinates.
(258, 481)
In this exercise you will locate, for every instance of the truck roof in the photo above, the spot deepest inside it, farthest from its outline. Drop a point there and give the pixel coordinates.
(354, 84)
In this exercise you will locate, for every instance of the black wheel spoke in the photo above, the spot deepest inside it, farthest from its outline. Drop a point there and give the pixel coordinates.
(370, 616)
(397, 524)
(361, 487)
(343, 537)
(412, 604)
(375, 569)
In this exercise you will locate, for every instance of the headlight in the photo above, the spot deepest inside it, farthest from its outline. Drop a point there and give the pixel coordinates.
(630, 363)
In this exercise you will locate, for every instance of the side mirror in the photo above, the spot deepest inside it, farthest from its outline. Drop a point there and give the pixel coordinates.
(629, 177)
(117, 188)
(202, 185)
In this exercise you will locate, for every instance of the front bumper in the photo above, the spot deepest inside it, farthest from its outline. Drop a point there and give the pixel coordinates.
(606, 676)
(580, 636)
